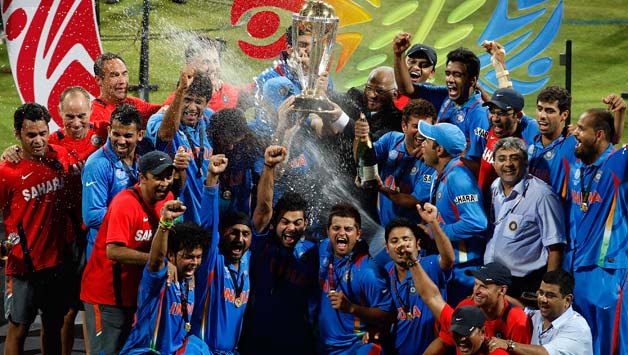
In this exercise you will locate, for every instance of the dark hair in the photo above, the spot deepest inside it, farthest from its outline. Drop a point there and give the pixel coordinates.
(188, 236)
(556, 93)
(100, 61)
(233, 218)
(201, 86)
(228, 124)
(202, 43)
(290, 201)
(420, 108)
(31, 111)
(127, 115)
(345, 209)
(74, 90)
(401, 222)
(602, 121)
(562, 278)
(468, 58)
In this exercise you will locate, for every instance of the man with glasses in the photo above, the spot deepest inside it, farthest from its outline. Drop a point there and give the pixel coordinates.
(556, 327)
(507, 120)
(528, 220)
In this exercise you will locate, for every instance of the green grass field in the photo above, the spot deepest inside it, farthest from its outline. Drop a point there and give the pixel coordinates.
(598, 32)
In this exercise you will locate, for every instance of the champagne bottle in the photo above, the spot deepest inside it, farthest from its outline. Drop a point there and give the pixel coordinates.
(367, 161)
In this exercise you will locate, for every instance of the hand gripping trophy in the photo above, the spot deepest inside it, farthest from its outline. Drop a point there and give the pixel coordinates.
(317, 20)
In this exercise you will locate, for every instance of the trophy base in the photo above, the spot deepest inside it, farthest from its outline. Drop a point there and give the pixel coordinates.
(312, 104)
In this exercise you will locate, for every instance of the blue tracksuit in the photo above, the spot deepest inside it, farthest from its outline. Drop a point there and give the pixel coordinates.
(217, 319)
(159, 321)
(103, 176)
(399, 170)
(193, 189)
(363, 282)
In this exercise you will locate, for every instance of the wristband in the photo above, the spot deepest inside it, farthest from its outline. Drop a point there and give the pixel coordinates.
(166, 225)
(269, 166)
(411, 263)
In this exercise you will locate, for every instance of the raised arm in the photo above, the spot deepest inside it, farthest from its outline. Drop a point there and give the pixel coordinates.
(159, 245)
(401, 43)
(429, 214)
(209, 219)
(616, 106)
(172, 117)
(263, 212)
(428, 290)
(498, 59)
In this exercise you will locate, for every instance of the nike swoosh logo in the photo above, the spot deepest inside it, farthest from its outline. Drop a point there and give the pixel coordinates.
(162, 159)
(24, 177)
(88, 184)
(145, 219)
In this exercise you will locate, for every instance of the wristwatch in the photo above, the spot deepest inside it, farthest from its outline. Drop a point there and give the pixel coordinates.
(511, 345)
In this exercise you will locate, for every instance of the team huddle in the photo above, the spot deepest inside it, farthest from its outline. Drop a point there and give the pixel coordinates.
(190, 228)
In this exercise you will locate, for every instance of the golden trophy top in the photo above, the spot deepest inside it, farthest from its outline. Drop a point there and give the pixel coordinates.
(317, 8)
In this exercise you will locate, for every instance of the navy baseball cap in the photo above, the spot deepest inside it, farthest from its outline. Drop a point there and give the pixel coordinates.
(155, 162)
(492, 273)
(466, 319)
(428, 51)
(506, 99)
(447, 135)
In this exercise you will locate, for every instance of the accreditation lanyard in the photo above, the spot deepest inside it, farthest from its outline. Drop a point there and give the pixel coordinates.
(198, 157)
(404, 306)
(238, 287)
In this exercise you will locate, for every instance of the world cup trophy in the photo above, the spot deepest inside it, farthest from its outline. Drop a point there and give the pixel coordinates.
(315, 22)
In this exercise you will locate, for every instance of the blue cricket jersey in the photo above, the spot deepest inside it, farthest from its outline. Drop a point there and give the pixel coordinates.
(159, 323)
(435, 94)
(471, 118)
(552, 163)
(103, 176)
(413, 334)
(284, 285)
(363, 282)
(461, 211)
(402, 171)
(598, 236)
(193, 189)
(217, 318)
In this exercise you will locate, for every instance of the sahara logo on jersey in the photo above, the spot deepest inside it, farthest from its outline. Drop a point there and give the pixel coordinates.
(43, 188)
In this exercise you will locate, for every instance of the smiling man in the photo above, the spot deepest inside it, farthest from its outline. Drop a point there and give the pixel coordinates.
(405, 178)
(162, 320)
(110, 169)
(222, 281)
(112, 77)
(183, 128)
(284, 267)
(113, 272)
(354, 294)
(499, 317)
(556, 327)
(36, 196)
(507, 120)
(528, 220)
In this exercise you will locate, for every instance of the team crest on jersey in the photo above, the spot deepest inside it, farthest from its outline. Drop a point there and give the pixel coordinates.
(96, 141)
(439, 195)
(393, 154)
(412, 289)
(460, 117)
(577, 174)
(549, 155)
(120, 174)
(414, 170)
(225, 99)
(512, 226)
(597, 176)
